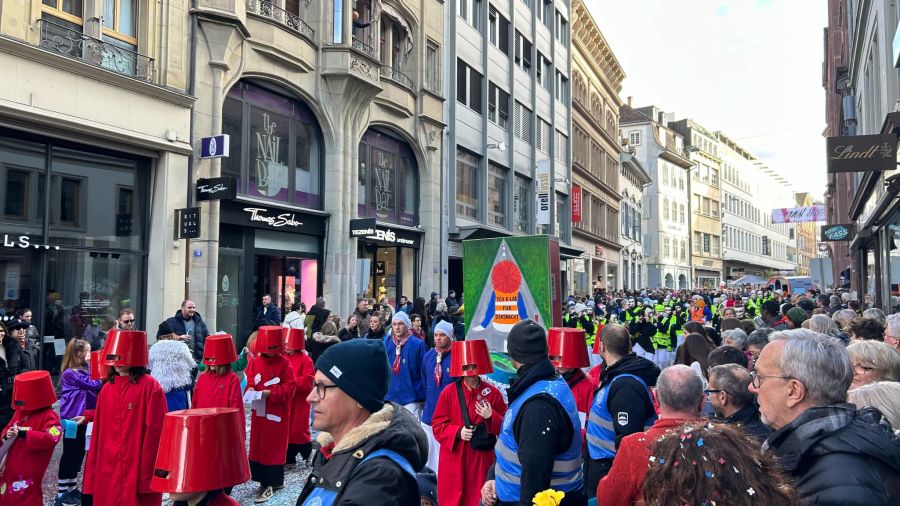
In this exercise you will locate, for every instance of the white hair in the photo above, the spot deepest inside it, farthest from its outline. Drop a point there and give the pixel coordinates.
(738, 336)
(823, 324)
(893, 325)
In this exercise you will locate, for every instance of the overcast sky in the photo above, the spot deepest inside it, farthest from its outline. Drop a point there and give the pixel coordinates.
(750, 68)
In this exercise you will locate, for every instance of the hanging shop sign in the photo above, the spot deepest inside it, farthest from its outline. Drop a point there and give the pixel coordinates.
(214, 147)
(362, 227)
(838, 232)
(217, 188)
(542, 192)
(576, 204)
(799, 214)
(187, 221)
(860, 153)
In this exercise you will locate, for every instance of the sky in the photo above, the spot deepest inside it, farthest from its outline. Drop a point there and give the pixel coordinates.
(750, 68)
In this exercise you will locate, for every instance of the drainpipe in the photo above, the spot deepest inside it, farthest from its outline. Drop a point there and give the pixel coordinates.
(192, 83)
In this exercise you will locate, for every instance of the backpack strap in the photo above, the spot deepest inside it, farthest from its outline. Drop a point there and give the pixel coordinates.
(392, 455)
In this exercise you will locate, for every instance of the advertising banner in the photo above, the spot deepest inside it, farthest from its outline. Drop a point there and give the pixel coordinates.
(576, 204)
(799, 214)
(543, 186)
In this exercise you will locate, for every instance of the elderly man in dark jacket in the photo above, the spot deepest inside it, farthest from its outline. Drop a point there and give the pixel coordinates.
(188, 326)
(370, 450)
(836, 454)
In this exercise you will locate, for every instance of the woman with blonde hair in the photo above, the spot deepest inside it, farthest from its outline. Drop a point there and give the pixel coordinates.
(873, 361)
(881, 395)
(78, 393)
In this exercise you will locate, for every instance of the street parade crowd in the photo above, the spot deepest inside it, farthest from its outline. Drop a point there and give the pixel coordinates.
(658, 397)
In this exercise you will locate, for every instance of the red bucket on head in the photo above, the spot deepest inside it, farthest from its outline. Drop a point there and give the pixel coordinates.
(201, 450)
(294, 339)
(468, 353)
(99, 369)
(568, 348)
(33, 390)
(219, 350)
(126, 348)
(269, 340)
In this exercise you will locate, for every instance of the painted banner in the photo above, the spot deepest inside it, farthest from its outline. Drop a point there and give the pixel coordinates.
(799, 214)
(576, 204)
(542, 192)
(507, 280)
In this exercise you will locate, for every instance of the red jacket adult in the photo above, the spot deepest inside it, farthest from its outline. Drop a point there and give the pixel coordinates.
(304, 376)
(269, 433)
(461, 469)
(28, 458)
(124, 441)
(218, 391)
(624, 484)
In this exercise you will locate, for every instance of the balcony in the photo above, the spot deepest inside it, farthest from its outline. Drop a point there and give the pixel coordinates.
(78, 46)
(398, 77)
(362, 47)
(281, 17)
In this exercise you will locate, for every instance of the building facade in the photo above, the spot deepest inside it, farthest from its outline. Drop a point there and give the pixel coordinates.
(806, 235)
(661, 151)
(705, 203)
(509, 109)
(753, 245)
(633, 180)
(596, 156)
(94, 148)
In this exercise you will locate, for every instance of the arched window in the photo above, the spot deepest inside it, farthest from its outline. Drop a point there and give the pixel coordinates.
(388, 179)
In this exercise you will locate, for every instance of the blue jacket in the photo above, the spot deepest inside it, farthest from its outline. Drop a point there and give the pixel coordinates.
(433, 390)
(407, 385)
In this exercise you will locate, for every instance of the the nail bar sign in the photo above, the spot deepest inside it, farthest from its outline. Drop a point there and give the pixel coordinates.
(860, 153)
(24, 242)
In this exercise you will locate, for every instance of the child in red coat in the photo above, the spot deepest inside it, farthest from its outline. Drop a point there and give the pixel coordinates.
(218, 386)
(270, 374)
(32, 433)
(299, 440)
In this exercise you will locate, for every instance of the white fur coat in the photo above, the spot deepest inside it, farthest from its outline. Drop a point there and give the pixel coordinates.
(170, 364)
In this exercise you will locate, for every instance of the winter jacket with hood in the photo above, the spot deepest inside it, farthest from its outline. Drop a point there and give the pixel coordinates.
(841, 456)
(319, 343)
(379, 481)
(196, 341)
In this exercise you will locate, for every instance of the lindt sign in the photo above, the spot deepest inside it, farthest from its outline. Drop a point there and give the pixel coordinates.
(860, 153)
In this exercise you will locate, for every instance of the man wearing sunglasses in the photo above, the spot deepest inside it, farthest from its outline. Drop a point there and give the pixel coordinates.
(125, 321)
(370, 450)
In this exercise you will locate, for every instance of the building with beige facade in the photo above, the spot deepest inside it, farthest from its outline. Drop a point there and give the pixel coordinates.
(331, 115)
(596, 82)
(806, 235)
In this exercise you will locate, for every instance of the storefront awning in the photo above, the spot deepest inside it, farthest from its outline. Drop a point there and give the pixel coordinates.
(567, 252)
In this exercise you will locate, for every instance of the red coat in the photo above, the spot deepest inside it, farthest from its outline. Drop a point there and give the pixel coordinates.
(583, 389)
(127, 429)
(304, 376)
(269, 434)
(27, 460)
(624, 484)
(218, 391)
(461, 469)
(596, 372)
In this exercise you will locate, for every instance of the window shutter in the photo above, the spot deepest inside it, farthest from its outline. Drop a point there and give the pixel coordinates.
(504, 35)
(475, 100)
(461, 81)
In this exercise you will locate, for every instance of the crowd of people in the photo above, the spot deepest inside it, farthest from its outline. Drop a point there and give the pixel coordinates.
(652, 396)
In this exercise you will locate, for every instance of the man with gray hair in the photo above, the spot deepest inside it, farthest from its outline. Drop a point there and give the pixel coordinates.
(731, 399)
(874, 314)
(735, 337)
(835, 453)
(834, 304)
(892, 332)
(680, 393)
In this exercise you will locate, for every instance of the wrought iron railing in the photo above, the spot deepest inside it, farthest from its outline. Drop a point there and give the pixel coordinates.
(78, 46)
(362, 47)
(398, 77)
(287, 19)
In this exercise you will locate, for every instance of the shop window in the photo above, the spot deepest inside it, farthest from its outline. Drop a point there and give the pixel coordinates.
(467, 164)
(497, 194)
(276, 146)
(388, 179)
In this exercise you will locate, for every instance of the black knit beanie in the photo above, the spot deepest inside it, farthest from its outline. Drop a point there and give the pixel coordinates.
(359, 368)
(526, 342)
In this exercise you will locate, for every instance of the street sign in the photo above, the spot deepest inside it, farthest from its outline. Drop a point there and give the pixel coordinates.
(187, 223)
(860, 153)
(217, 188)
(838, 232)
(214, 147)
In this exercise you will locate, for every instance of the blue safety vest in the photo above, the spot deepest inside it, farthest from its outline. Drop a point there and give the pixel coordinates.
(567, 474)
(601, 436)
(321, 496)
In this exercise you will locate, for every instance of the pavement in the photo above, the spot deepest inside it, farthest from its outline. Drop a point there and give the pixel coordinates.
(293, 483)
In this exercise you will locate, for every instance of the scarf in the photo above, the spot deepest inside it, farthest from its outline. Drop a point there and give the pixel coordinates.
(395, 367)
(438, 372)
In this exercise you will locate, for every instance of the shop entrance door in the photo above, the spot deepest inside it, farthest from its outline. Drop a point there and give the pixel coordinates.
(286, 279)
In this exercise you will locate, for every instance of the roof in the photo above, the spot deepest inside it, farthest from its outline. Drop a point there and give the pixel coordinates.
(629, 115)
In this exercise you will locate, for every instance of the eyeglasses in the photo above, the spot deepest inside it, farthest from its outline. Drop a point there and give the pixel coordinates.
(322, 388)
(712, 391)
(755, 376)
(861, 369)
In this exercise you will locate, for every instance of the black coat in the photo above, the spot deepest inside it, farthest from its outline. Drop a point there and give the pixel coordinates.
(267, 315)
(838, 455)
(747, 418)
(9, 368)
(196, 342)
(379, 481)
